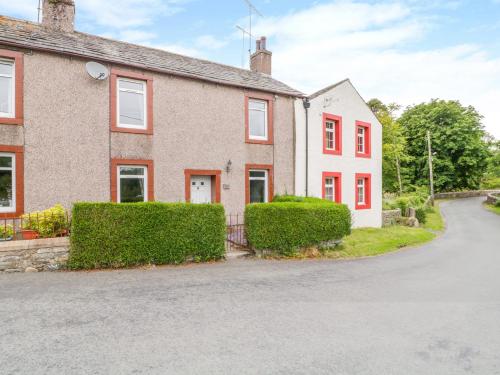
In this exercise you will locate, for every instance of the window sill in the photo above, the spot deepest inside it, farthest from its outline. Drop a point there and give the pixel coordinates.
(332, 152)
(132, 131)
(259, 141)
(364, 156)
(11, 121)
(363, 207)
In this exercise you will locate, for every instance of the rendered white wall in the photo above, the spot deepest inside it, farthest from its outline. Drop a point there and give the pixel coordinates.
(344, 101)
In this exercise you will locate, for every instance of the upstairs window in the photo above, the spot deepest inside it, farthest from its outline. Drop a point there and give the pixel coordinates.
(131, 102)
(363, 191)
(332, 184)
(363, 139)
(259, 118)
(7, 182)
(7, 88)
(332, 134)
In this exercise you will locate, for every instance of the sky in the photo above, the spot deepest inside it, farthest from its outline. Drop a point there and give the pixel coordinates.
(401, 51)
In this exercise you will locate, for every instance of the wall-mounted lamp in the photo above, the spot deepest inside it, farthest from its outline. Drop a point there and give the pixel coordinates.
(229, 166)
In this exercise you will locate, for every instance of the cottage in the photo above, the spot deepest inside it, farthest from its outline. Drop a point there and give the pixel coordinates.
(162, 127)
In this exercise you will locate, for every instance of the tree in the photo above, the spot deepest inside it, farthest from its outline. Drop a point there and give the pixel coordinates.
(458, 142)
(393, 146)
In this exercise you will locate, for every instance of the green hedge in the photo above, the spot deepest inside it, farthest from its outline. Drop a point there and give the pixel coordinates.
(105, 235)
(287, 226)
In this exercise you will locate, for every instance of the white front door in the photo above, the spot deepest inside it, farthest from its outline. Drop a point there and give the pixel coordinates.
(201, 189)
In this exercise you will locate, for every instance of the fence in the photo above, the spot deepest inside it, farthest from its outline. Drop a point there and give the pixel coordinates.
(235, 232)
(33, 226)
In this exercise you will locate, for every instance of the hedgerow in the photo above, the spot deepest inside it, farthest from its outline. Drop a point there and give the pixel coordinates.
(108, 235)
(288, 226)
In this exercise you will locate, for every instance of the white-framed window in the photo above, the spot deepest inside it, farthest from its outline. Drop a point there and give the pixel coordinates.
(330, 189)
(132, 183)
(257, 119)
(132, 103)
(330, 135)
(361, 191)
(259, 186)
(361, 139)
(7, 88)
(7, 182)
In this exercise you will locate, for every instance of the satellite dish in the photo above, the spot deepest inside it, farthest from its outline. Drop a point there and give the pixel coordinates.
(97, 71)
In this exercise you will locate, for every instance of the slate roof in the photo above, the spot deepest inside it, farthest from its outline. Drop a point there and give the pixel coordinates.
(24, 34)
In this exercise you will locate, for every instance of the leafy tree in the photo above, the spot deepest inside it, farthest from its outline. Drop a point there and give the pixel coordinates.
(393, 146)
(458, 142)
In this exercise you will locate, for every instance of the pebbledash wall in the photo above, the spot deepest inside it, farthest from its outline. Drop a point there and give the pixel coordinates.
(68, 145)
(343, 101)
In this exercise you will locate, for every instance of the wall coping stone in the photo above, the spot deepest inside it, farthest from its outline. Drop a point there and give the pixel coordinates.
(7, 246)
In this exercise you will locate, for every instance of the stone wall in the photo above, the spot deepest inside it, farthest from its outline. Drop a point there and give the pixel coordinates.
(492, 198)
(49, 254)
(465, 194)
(391, 217)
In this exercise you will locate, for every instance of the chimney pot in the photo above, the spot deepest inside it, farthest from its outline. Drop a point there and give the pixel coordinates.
(59, 15)
(261, 60)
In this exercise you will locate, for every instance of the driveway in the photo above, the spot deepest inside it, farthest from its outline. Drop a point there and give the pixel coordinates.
(431, 310)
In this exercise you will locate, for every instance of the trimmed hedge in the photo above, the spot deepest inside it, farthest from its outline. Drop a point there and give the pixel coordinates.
(109, 235)
(288, 226)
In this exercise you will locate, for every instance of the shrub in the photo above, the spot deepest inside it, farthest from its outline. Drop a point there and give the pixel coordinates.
(287, 226)
(491, 183)
(6, 231)
(421, 214)
(294, 198)
(107, 235)
(47, 223)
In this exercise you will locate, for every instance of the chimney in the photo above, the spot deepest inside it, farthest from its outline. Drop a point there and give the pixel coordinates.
(59, 15)
(261, 60)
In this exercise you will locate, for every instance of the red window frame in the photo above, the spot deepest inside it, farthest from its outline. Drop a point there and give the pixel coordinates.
(337, 120)
(140, 162)
(368, 139)
(337, 176)
(270, 110)
(18, 151)
(113, 81)
(18, 59)
(202, 172)
(270, 183)
(368, 191)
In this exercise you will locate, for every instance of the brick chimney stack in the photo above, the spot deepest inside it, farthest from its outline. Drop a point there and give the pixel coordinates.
(261, 60)
(59, 15)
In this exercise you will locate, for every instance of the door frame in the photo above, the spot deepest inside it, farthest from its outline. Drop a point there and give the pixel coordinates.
(216, 180)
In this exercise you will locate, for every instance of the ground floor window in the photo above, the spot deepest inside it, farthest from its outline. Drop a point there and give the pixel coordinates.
(7, 182)
(259, 184)
(363, 191)
(332, 186)
(132, 181)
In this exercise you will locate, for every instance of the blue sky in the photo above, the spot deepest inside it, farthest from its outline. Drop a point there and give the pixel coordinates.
(404, 51)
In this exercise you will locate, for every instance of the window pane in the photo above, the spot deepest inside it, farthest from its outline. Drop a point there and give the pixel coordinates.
(361, 130)
(5, 162)
(131, 108)
(6, 189)
(257, 105)
(257, 191)
(257, 121)
(261, 174)
(127, 85)
(329, 194)
(6, 69)
(131, 190)
(5, 95)
(132, 171)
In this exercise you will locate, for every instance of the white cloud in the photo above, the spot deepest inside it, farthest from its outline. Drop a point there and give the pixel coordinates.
(368, 42)
(210, 42)
(181, 50)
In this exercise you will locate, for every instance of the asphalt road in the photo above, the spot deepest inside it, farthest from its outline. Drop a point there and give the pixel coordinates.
(431, 310)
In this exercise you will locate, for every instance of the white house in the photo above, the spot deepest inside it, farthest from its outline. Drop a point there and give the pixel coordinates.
(339, 151)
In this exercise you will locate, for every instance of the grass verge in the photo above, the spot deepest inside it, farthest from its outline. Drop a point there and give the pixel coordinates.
(492, 208)
(375, 241)
(434, 220)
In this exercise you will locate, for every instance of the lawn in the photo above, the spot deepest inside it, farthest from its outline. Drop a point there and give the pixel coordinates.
(375, 241)
(492, 208)
(434, 220)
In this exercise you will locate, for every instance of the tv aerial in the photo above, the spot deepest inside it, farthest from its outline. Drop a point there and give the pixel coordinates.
(97, 71)
(251, 11)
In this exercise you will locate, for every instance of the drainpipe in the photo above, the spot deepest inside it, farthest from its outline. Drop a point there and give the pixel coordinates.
(307, 105)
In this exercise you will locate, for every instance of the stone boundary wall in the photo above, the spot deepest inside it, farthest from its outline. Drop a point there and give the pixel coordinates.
(391, 217)
(465, 194)
(493, 198)
(49, 254)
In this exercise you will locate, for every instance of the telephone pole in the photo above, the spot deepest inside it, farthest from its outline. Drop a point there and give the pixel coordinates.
(431, 176)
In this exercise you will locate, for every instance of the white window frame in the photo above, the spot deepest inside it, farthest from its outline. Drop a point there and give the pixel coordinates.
(266, 120)
(13, 88)
(332, 132)
(361, 186)
(328, 186)
(11, 208)
(128, 176)
(265, 179)
(361, 137)
(144, 126)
